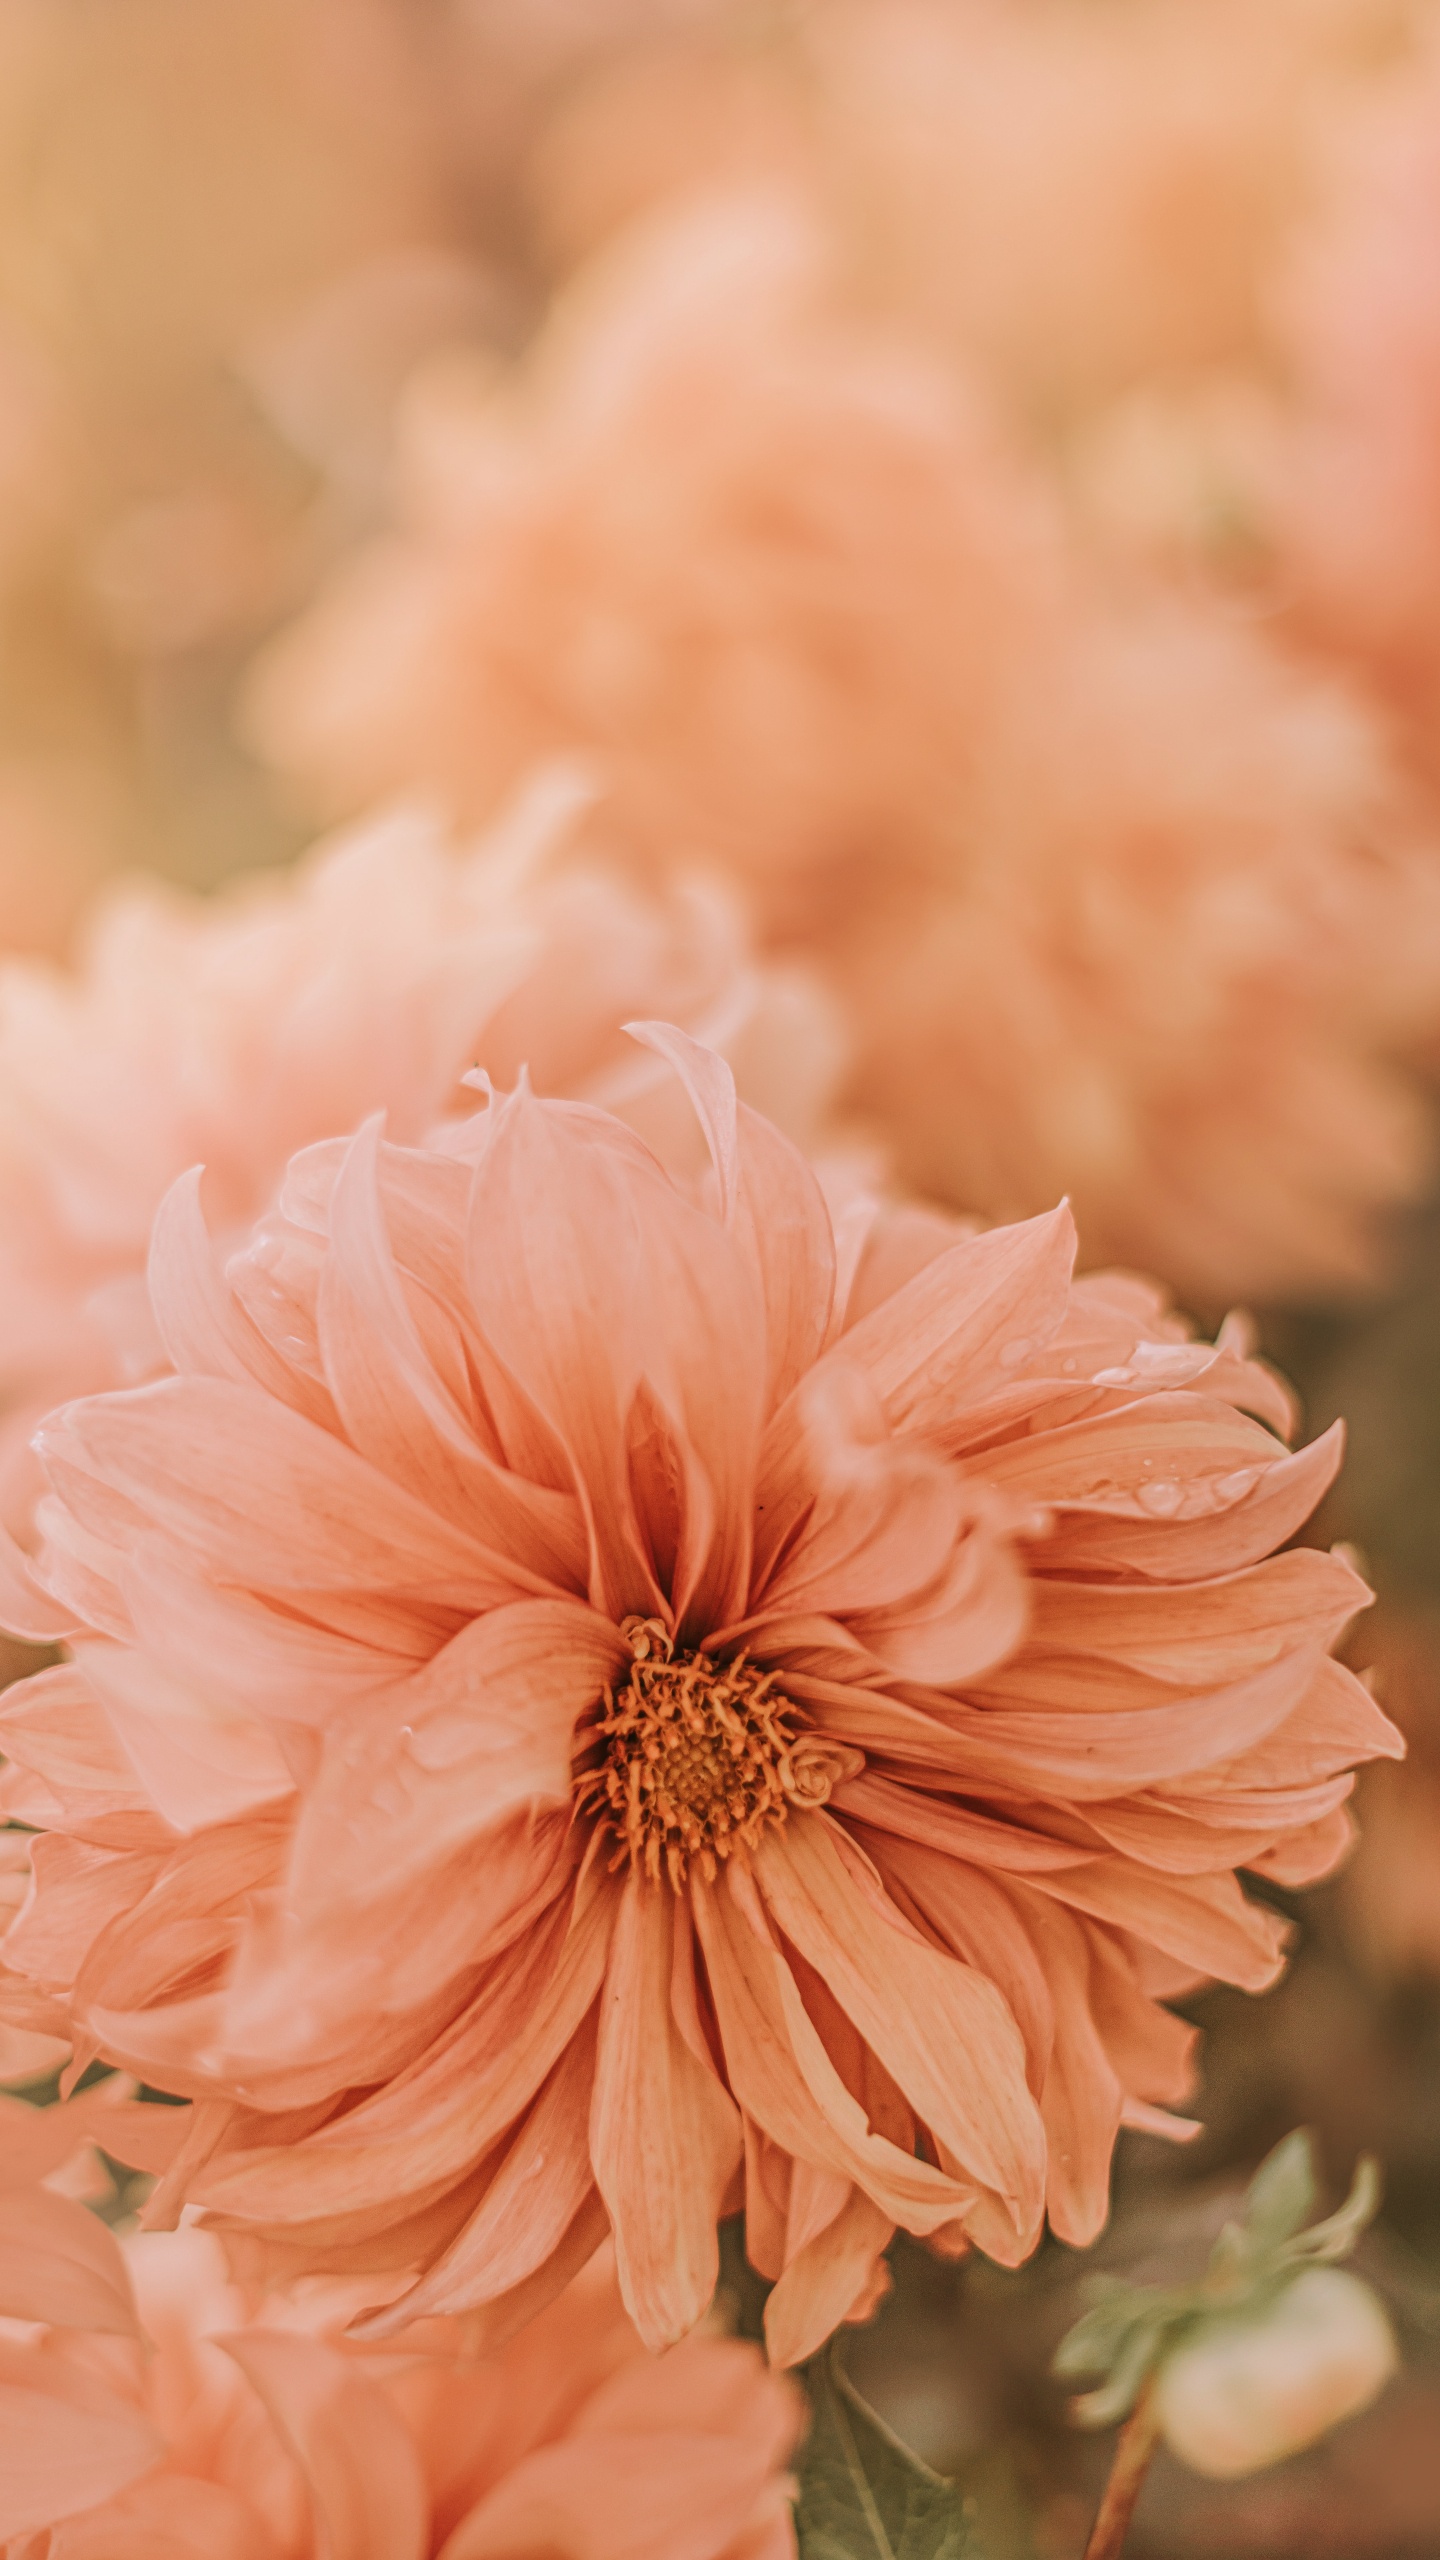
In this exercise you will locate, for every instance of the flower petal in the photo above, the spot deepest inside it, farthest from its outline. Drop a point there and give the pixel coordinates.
(266, 1497)
(966, 1322)
(823, 2283)
(27, 1609)
(58, 2263)
(204, 1328)
(669, 2496)
(539, 2188)
(665, 2135)
(432, 2123)
(59, 2455)
(397, 1409)
(783, 2076)
(941, 2029)
(769, 1199)
(197, 1762)
(452, 1752)
(360, 2466)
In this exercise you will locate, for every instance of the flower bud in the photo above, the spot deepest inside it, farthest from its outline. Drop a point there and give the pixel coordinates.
(1248, 2390)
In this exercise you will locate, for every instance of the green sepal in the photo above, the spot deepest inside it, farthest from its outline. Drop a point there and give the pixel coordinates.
(1134, 2361)
(1129, 2330)
(1282, 2194)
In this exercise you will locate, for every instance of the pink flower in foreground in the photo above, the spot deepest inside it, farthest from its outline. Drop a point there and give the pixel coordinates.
(1119, 903)
(145, 2409)
(229, 1031)
(589, 1708)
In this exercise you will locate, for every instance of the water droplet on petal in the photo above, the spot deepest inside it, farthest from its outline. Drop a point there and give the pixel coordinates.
(1163, 1499)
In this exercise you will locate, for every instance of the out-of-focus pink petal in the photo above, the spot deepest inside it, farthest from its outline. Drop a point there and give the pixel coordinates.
(634, 2497)
(166, 2517)
(35, 2141)
(58, 2263)
(26, 1608)
(53, 1725)
(60, 2453)
(357, 2457)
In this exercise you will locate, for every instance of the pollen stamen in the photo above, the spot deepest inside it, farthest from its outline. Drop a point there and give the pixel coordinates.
(699, 1756)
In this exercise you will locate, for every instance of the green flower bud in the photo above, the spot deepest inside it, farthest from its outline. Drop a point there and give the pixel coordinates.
(1247, 2390)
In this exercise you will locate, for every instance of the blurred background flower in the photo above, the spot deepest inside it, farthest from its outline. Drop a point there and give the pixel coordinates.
(149, 2404)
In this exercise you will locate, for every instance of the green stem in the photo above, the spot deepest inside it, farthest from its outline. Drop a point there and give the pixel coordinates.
(1127, 2477)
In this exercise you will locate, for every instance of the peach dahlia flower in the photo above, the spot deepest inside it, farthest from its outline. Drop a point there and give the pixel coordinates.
(1187, 973)
(146, 2410)
(590, 1706)
(1118, 902)
(231, 1030)
(759, 559)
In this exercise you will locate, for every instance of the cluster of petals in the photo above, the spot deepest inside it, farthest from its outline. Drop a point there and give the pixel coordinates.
(149, 2405)
(1118, 901)
(756, 556)
(231, 1031)
(1189, 971)
(596, 1702)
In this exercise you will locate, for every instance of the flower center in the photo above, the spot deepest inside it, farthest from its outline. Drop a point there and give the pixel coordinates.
(699, 1756)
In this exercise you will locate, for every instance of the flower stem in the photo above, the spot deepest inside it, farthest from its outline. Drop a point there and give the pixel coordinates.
(1127, 2478)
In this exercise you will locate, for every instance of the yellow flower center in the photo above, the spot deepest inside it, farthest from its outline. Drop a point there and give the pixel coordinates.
(699, 1756)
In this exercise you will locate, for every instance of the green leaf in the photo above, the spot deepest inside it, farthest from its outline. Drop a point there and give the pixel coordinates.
(1281, 2195)
(863, 2494)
